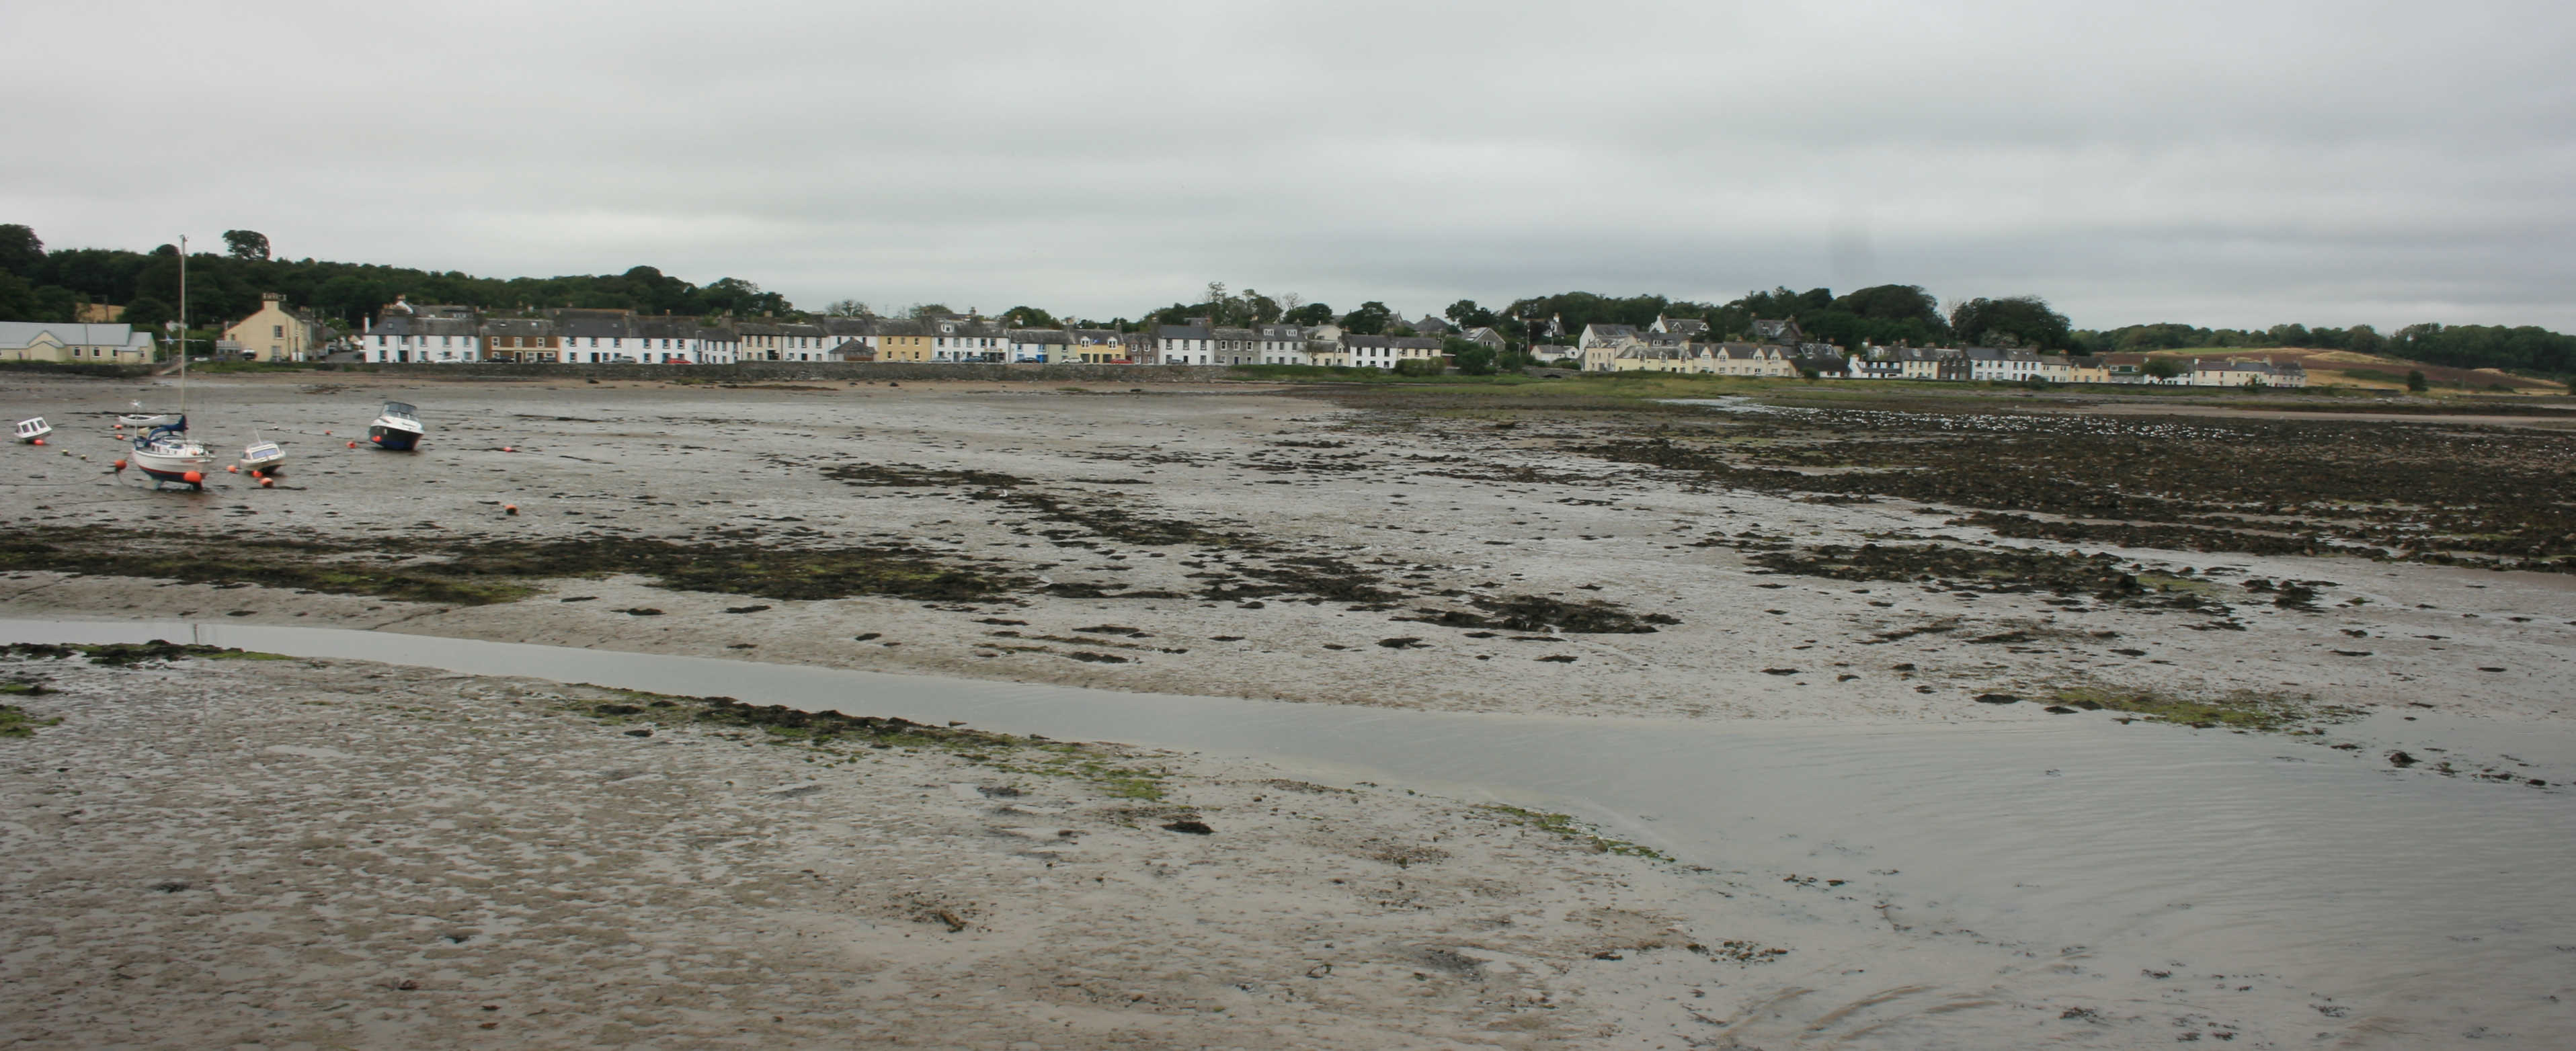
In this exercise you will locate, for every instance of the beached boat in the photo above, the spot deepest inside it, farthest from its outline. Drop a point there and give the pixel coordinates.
(263, 457)
(165, 454)
(397, 429)
(33, 432)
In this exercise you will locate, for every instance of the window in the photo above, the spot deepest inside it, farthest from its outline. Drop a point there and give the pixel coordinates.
(277, 332)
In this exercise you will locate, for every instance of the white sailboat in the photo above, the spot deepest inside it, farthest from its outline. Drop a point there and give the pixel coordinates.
(165, 453)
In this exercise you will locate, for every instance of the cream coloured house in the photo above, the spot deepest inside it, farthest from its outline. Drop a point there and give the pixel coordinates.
(71, 341)
(278, 334)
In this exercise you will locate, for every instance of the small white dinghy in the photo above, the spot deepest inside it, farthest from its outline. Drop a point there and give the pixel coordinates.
(33, 432)
(262, 458)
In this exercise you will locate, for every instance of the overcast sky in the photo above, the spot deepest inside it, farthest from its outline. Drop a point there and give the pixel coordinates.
(2227, 163)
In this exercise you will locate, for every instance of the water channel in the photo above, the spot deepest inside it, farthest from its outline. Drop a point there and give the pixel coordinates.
(2328, 869)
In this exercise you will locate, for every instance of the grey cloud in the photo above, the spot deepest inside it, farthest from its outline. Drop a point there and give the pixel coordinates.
(2226, 163)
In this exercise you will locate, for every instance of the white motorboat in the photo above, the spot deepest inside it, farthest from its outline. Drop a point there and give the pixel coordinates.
(397, 429)
(263, 457)
(33, 432)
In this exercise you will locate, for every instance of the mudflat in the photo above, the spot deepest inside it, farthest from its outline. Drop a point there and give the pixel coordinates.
(1578, 549)
(1472, 551)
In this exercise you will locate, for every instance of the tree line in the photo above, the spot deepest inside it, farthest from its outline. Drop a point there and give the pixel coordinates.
(41, 285)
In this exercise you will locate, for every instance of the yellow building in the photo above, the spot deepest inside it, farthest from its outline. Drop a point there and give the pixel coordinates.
(905, 341)
(278, 334)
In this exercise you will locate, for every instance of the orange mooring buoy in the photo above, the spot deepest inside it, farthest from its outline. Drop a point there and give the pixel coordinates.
(353, 445)
(233, 468)
(192, 478)
(505, 448)
(509, 509)
(39, 441)
(120, 466)
(268, 483)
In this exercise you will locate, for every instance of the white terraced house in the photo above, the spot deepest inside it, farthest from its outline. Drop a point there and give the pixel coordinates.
(770, 341)
(1190, 344)
(2013, 366)
(602, 341)
(1279, 344)
(968, 340)
(403, 333)
(2237, 372)
(1234, 346)
(1041, 345)
(1383, 352)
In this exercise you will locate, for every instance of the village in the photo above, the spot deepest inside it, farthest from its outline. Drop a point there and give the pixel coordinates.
(445, 334)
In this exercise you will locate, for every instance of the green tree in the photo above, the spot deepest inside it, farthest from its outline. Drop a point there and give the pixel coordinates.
(1420, 367)
(1257, 309)
(17, 298)
(919, 311)
(1369, 320)
(1309, 315)
(1471, 357)
(2027, 319)
(1893, 303)
(848, 308)
(21, 251)
(148, 314)
(2161, 368)
(733, 295)
(246, 244)
(1028, 317)
(2415, 381)
(1468, 315)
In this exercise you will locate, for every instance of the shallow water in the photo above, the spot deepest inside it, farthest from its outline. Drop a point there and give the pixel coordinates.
(2152, 846)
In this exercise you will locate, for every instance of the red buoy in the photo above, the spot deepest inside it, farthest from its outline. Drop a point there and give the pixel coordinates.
(509, 509)
(233, 468)
(39, 441)
(192, 478)
(120, 466)
(268, 483)
(353, 445)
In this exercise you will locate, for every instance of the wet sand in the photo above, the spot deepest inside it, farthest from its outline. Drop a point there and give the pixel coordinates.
(1439, 518)
(629, 898)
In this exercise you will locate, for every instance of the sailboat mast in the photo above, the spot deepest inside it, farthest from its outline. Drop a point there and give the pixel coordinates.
(183, 328)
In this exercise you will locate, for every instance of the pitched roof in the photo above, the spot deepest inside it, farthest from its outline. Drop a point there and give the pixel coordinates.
(71, 333)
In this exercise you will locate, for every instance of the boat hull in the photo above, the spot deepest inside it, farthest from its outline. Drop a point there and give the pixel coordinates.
(169, 467)
(393, 439)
